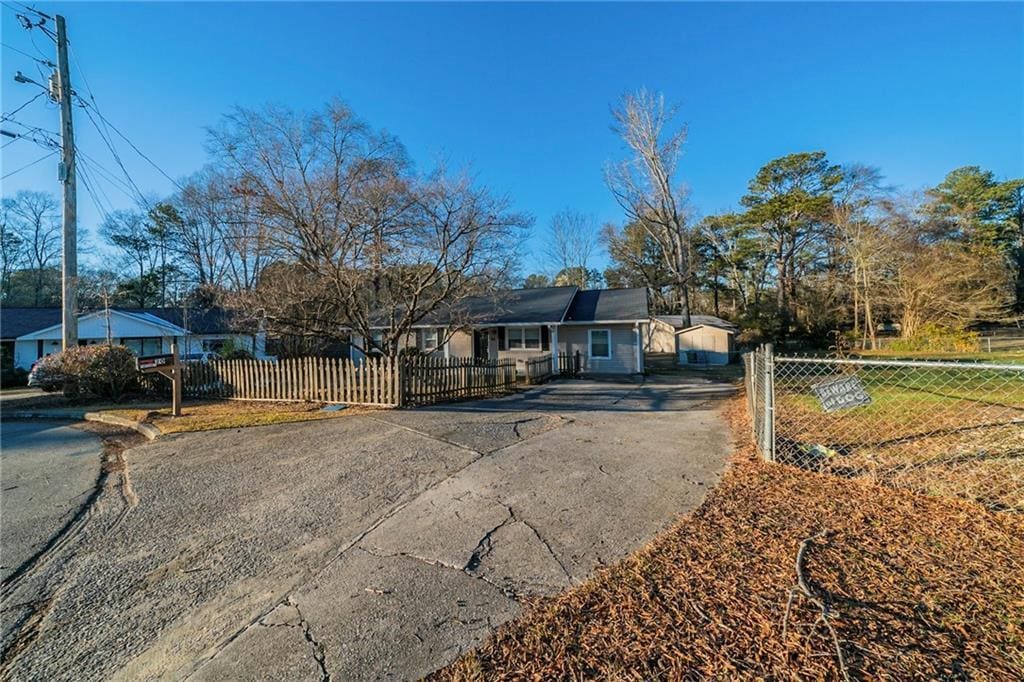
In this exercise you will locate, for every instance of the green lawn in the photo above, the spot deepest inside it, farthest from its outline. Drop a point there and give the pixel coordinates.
(997, 357)
(935, 430)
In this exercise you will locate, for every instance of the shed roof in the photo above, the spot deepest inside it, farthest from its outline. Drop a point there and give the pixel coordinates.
(609, 305)
(678, 322)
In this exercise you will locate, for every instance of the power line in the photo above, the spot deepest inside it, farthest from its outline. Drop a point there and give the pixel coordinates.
(44, 62)
(44, 141)
(107, 175)
(29, 165)
(8, 115)
(27, 8)
(117, 157)
(95, 107)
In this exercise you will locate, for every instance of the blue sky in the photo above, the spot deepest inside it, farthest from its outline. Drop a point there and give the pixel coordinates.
(521, 92)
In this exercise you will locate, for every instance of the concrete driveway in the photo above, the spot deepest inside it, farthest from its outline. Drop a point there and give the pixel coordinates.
(48, 471)
(372, 546)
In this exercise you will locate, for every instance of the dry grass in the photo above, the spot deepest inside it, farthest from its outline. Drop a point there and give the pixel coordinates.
(231, 414)
(918, 588)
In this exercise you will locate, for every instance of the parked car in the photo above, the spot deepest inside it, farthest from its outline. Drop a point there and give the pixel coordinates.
(40, 377)
(204, 356)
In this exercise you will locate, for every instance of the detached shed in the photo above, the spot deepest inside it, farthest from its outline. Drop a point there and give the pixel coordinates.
(709, 340)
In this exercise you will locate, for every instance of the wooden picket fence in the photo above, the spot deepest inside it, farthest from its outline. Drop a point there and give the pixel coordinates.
(373, 381)
(570, 364)
(429, 380)
(537, 370)
(330, 380)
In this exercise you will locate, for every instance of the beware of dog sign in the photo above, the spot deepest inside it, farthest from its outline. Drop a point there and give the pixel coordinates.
(841, 393)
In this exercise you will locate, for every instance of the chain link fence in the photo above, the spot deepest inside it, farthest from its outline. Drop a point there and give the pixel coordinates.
(942, 428)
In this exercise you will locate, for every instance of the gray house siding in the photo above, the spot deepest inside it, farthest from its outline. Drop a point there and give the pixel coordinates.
(624, 350)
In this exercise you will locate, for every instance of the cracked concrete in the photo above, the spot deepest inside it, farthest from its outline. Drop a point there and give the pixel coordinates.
(368, 547)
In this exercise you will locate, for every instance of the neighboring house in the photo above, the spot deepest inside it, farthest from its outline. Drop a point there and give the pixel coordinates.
(606, 327)
(28, 334)
(707, 340)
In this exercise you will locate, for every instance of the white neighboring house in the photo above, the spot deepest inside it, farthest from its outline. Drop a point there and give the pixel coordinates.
(28, 334)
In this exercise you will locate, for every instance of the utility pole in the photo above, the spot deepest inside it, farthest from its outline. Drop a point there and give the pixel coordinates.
(69, 268)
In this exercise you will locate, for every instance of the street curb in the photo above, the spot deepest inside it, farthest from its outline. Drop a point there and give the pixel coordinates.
(148, 430)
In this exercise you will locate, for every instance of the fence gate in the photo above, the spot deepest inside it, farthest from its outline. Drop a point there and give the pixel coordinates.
(947, 428)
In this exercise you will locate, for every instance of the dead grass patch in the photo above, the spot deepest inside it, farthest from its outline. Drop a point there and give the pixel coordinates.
(917, 588)
(231, 414)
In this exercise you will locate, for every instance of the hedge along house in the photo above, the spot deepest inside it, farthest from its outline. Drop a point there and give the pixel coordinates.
(605, 327)
(28, 334)
(707, 340)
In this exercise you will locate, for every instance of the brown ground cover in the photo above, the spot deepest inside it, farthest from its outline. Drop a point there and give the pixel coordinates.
(916, 588)
(230, 414)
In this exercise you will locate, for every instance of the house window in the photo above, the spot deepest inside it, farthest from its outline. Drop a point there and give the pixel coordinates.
(144, 346)
(524, 338)
(600, 343)
(376, 341)
(429, 340)
(213, 345)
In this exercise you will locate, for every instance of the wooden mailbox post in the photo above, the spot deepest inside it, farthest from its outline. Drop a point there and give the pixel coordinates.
(170, 366)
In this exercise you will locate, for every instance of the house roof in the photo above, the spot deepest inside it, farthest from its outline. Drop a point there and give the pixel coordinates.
(609, 305)
(545, 305)
(197, 321)
(19, 321)
(679, 323)
(88, 330)
(524, 306)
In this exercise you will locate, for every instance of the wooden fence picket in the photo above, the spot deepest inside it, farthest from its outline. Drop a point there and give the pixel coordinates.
(385, 381)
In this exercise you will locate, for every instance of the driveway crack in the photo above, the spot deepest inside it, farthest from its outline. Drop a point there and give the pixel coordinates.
(548, 547)
(319, 652)
(486, 544)
(507, 591)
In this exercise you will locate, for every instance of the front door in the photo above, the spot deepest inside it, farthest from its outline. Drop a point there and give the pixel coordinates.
(480, 345)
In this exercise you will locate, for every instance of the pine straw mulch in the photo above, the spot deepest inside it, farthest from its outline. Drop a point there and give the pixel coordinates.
(916, 587)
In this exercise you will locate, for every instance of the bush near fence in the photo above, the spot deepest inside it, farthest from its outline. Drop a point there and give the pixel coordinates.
(935, 427)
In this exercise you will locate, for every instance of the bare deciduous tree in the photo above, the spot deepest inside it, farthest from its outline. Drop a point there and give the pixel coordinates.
(361, 241)
(35, 221)
(12, 248)
(862, 242)
(573, 240)
(646, 185)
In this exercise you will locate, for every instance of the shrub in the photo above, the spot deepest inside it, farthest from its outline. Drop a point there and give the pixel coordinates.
(110, 372)
(934, 338)
(98, 371)
(12, 376)
(232, 351)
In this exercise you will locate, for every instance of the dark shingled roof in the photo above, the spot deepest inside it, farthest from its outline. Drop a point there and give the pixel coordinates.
(525, 306)
(15, 321)
(606, 305)
(697, 320)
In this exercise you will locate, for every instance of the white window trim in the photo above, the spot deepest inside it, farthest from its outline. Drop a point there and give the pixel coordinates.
(590, 344)
(521, 331)
(437, 340)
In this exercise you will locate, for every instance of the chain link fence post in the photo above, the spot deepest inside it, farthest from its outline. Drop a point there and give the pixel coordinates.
(768, 382)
